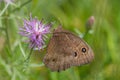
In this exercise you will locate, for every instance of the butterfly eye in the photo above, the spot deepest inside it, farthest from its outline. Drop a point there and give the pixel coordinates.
(83, 50)
(75, 54)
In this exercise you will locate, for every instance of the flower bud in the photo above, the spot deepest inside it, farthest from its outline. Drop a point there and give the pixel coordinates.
(90, 23)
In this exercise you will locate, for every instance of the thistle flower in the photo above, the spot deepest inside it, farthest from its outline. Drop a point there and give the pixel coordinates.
(35, 31)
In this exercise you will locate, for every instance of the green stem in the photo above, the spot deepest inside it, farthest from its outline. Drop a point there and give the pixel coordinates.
(8, 39)
(29, 54)
(85, 35)
(21, 5)
(27, 59)
(4, 9)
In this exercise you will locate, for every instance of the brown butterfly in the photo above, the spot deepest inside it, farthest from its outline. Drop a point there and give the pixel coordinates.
(65, 50)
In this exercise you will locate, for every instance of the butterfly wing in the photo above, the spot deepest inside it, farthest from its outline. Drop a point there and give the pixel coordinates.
(65, 50)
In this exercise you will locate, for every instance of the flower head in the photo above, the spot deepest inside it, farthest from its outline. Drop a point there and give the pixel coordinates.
(35, 31)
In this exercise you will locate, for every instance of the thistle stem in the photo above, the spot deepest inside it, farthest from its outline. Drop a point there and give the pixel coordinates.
(29, 54)
(1, 13)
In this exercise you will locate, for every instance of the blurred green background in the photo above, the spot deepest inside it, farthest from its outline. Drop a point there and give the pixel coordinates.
(73, 15)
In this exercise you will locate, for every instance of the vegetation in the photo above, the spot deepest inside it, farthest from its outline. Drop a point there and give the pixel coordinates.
(72, 15)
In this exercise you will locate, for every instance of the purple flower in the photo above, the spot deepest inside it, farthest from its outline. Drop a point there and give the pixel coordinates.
(35, 31)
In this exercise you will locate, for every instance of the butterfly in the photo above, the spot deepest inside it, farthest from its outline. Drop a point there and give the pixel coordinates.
(65, 50)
